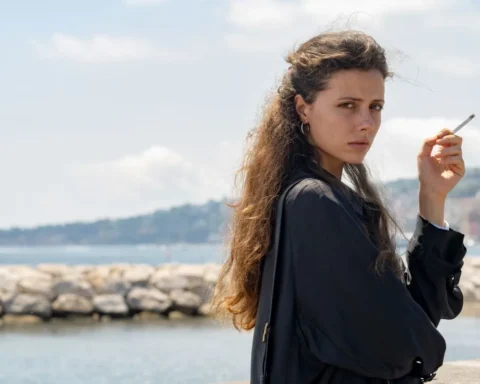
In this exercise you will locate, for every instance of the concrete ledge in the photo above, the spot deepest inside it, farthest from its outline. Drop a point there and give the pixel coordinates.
(458, 372)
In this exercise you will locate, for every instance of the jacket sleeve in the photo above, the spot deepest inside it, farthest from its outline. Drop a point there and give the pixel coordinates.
(435, 259)
(348, 315)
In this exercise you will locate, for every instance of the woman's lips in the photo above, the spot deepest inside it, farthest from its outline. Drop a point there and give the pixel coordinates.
(359, 144)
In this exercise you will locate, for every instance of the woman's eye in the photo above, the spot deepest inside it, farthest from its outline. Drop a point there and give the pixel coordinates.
(377, 107)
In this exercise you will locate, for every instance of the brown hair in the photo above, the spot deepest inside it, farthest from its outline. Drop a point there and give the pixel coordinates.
(277, 148)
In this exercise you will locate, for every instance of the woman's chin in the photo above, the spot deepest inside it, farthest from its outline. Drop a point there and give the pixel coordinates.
(355, 160)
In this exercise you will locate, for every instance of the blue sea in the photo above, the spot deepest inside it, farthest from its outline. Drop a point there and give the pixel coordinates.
(128, 352)
(143, 254)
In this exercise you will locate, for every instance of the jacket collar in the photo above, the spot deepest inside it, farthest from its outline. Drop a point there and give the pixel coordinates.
(356, 201)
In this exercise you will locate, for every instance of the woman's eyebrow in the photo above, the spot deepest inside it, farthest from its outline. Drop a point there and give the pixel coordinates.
(358, 99)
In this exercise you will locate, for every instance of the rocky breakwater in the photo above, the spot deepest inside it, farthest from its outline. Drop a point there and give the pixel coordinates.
(470, 280)
(49, 291)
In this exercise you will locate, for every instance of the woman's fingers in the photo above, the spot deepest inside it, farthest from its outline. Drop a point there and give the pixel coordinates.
(441, 151)
(452, 160)
(450, 140)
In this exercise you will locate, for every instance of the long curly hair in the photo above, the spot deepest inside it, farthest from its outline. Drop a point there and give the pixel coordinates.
(276, 148)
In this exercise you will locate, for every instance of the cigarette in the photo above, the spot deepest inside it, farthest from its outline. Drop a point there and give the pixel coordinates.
(463, 124)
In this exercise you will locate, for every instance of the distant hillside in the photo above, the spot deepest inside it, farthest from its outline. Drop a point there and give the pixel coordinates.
(468, 187)
(185, 224)
(206, 223)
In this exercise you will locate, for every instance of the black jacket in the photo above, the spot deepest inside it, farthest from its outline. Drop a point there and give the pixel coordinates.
(334, 320)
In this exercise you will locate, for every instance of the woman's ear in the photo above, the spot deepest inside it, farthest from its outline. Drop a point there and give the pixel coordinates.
(301, 108)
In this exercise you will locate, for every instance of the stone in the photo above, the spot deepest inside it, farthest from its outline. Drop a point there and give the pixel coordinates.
(185, 302)
(82, 269)
(166, 281)
(29, 304)
(110, 305)
(8, 285)
(112, 285)
(75, 286)
(21, 319)
(205, 310)
(145, 299)
(204, 291)
(474, 262)
(193, 273)
(475, 279)
(470, 292)
(37, 285)
(56, 270)
(26, 271)
(176, 315)
(117, 270)
(69, 303)
(212, 272)
(138, 275)
(99, 273)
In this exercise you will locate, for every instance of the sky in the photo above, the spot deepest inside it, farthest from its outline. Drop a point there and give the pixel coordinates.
(114, 108)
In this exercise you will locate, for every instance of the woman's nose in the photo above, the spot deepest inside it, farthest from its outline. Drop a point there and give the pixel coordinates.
(367, 122)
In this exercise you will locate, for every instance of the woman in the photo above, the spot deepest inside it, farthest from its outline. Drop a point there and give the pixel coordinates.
(341, 311)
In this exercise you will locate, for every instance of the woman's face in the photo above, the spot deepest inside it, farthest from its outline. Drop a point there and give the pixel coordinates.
(345, 117)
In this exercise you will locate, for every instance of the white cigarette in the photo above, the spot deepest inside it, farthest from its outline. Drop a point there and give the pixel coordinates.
(464, 123)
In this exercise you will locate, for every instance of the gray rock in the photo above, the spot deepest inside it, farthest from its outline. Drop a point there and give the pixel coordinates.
(185, 302)
(25, 271)
(193, 273)
(212, 272)
(8, 281)
(36, 285)
(204, 291)
(166, 281)
(55, 270)
(475, 279)
(145, 299)
(110, 305)
(70, 303)
(29, 304)
(75, 286)
(176, 315)
(112, 285)
(8, 285)
(469, 290)
(205, 310)
(82, 269)
(138, 275)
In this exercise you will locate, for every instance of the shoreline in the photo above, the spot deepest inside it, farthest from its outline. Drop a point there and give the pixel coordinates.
(23, 322)
(135, 292)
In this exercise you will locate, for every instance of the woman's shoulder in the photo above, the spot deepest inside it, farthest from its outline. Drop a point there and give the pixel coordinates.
(309, 193)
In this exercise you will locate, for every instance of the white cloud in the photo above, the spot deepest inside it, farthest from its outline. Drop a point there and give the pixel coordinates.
(249, 43)
(454, 66)
(394, 153)
(144, 2)
(156, 178)
(372, 7)
(262, 13)
(279, 14)
(463, 20)
(103, 48)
